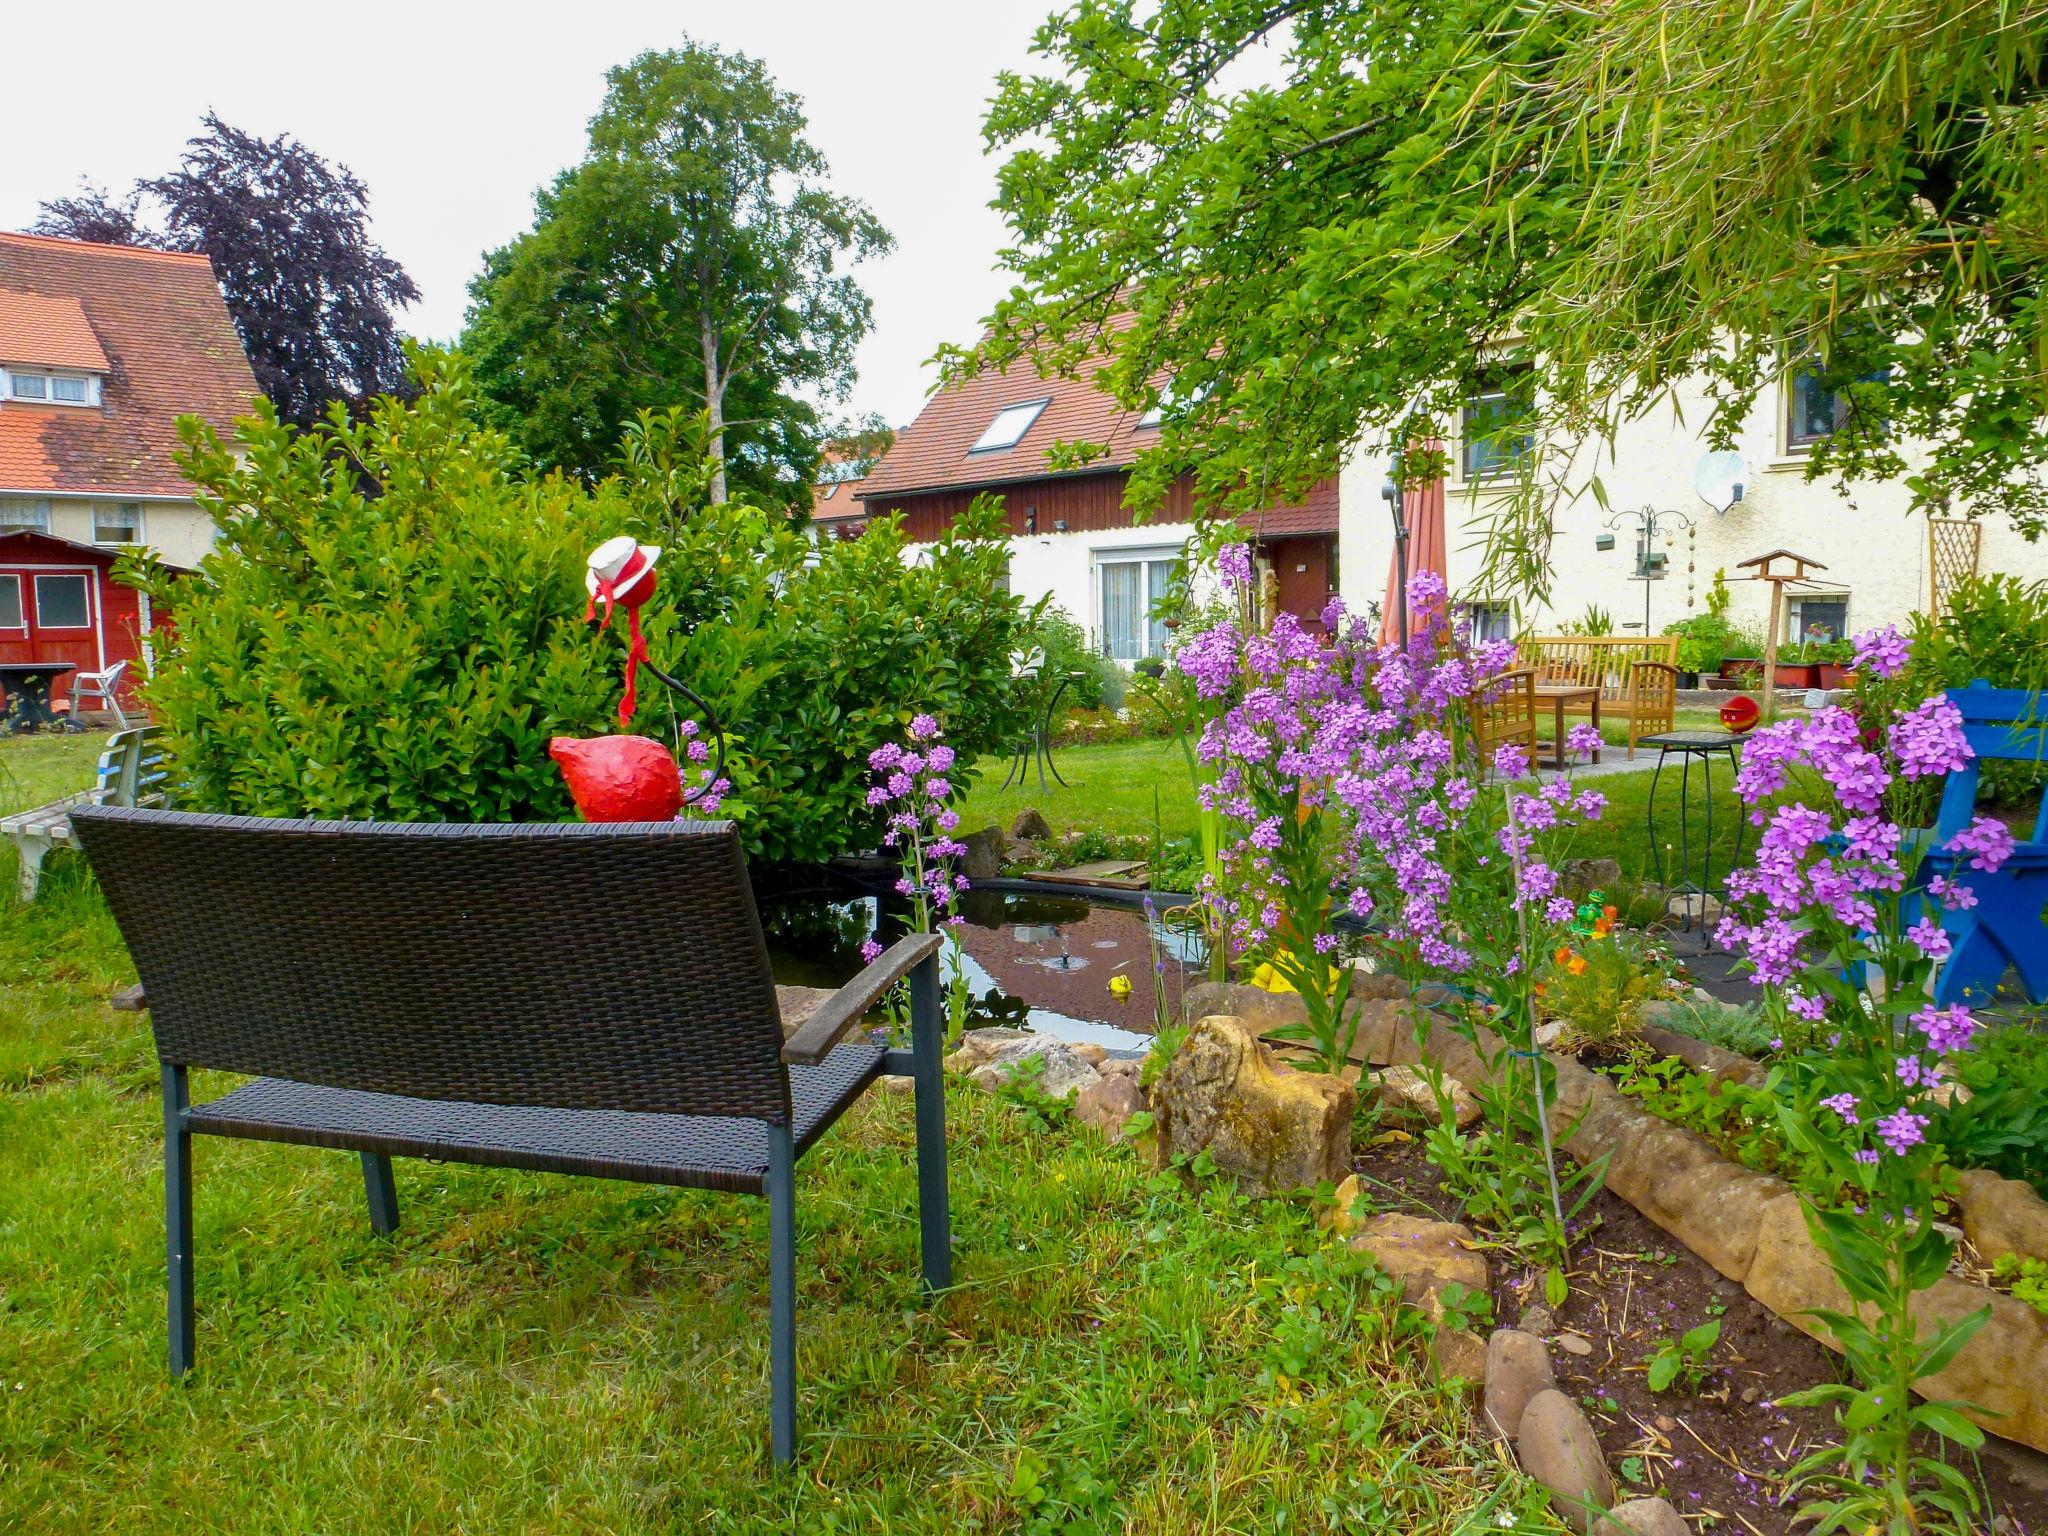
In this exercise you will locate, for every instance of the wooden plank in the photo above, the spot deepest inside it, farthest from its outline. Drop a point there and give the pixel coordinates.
(1116, 874)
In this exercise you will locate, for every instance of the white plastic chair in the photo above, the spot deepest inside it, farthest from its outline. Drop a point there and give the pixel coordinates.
(106, 686)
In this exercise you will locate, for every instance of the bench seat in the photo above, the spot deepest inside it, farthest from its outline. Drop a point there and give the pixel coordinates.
(693, 1151)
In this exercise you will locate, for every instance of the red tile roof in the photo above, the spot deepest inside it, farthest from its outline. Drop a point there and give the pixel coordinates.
(51, 333)
(933, 451)
(168, 348)
(835, 502)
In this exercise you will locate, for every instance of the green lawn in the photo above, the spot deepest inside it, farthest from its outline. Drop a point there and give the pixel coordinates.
(534, 1354)
(1114, 790)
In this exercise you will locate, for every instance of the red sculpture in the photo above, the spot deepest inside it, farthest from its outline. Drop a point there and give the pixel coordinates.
(1739, 713)
(620, 778)
(622, 572)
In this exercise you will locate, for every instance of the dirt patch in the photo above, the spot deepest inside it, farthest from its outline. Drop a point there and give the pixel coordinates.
(1719, 1454)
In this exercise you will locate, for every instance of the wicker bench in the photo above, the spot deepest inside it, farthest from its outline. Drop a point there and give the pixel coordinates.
(131, 772)
(575, 999)
(1637, 677)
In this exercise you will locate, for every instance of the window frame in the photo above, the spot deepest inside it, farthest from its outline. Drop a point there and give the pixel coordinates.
(46, 378)
(84, 578)
(1144, 558)
(131, 510)
(39, 505)
(1795, 619)
(1507, 466)
(1487, 606)
(11, 580)
(1036, 408)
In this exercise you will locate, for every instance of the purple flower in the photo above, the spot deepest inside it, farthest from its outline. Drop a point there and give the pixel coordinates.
(1947, 1029)
(1929, 938)
(1234, 564)
(1843, 1104)
(1902, 1130)
(1929, 741)
(1583, 740)
(1956, 898)
(923, 728)
(1882, 652)
(1866, 1154)
(1986, 840)
(1805, 1006)
(870, 951)
(1511, 761)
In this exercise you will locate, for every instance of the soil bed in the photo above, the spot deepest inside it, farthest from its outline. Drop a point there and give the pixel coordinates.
(1718, 1455)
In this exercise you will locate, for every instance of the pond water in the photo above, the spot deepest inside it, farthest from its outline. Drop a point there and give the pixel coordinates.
(1049, 963)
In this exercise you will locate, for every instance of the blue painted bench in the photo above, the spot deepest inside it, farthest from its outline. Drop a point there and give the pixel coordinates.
(2005, 927)
(131, 773)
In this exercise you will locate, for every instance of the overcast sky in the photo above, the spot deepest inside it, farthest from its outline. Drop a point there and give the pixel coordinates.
(453, 114)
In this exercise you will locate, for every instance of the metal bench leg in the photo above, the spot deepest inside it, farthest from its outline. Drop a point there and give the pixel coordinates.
(383, 1192)
(178, 1215)
(782, 1293)
(928, 1073)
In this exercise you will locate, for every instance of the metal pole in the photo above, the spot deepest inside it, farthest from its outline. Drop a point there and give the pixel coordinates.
(1392, 494)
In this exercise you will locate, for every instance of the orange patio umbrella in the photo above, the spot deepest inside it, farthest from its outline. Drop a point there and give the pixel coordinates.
(1422, 511)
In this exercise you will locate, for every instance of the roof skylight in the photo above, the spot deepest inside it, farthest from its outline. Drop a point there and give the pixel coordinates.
(1009, 427)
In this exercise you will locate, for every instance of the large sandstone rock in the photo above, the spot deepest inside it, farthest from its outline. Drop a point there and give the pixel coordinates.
(989, 1058)
(1349, 1209)
(1424, 1256)
(1644, 1517)
(1111, 1100)
(1385, 1026)
(1700, 1055)
(2002, 1216)
(1458, 1354)
(1517, 1368)
(1273, 1128)
(2000, 1370)
(1409, 1089)
(1030, 825)
(1557, 1447)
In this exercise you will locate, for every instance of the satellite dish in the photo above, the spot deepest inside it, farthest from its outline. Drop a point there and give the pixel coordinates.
(1720, 479)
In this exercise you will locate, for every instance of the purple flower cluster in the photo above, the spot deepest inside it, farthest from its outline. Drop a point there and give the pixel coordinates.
(697, 772)
(1882, 652)
(911, 778)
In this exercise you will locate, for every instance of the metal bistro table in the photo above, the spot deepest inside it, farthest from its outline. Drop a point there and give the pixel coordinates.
(28, 685)
(1703, 745)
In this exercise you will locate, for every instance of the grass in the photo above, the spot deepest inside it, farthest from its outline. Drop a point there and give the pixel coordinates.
(1123, 1351)
(1114, 789)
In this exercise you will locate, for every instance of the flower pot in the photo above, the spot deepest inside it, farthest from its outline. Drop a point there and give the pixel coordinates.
(1742, 666)
(1834, 675)
(1798, 675)
(1724, 684)
(1688, 679)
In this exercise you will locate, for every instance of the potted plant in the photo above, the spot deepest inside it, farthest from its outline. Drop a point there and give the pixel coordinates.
(1799, 665)
(1744, 658)
(1836, 662)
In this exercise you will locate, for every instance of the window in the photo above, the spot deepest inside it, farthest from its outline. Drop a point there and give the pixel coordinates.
(1009, 427)
(1492, 621)
(826, 491)
(1813, 411)
(1496, 427)
(10, 603)
(60, 388)
(1155, 415)
(62, 603)
(1818, 619)
(33, 515)
(120, 523)
(1131, 586)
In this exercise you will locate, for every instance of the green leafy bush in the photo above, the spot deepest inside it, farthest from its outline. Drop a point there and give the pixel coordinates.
(391, 627)
(1096, 681)
(1741, 1029)
(1994, 627)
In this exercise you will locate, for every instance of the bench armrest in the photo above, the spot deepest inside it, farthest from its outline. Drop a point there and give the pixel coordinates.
(129, 1000)
(844, 1008)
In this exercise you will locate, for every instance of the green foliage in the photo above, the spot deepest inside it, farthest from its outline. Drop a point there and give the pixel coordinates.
(1641, 195)
(1741, 1029)
(391, 627)
(2002, 1122)
(1704, 639)
(1739, 1120)
(1682, 1362)
(2026, 1278)
(1096, 682)
(1598, 985)
(695, 257)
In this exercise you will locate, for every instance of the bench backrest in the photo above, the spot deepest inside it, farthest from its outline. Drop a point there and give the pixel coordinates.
(2007, 723)
(574, 966)
(131, 768)
(1594, 661)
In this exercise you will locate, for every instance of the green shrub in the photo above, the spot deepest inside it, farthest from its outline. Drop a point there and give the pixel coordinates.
(390, 627)
(1742, 1030)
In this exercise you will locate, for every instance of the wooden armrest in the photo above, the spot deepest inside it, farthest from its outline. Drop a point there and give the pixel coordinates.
(844, 1008)
(129, 1000)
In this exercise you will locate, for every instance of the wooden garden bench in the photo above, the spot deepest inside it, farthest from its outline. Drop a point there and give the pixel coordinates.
(1505, 712)
(131, 772)
(574, 998)
(1637, 677)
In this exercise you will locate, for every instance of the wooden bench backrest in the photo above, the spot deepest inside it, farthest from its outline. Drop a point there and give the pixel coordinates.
(1594, 661)
(1999, 723)
(583, 967)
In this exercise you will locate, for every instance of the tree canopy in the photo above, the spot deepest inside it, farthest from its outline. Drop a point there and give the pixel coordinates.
(695, 257)
(311, 294)
(1618, 196)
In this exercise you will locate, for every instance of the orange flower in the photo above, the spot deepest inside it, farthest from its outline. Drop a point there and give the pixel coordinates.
(1610, 913)
(1577, 966)
(1561, 956)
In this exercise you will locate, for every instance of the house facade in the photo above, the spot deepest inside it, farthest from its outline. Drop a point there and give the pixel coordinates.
(1071, 536)
(102, 349)
(1879, 555)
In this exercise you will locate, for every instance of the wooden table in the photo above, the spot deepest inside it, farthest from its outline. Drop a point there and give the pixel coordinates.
(28, 685)
(1558, 696)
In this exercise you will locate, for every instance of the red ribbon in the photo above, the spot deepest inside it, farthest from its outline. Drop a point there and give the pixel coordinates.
(636, 649)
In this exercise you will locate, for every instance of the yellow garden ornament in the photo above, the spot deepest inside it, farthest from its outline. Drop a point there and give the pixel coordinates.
(1120, 987)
